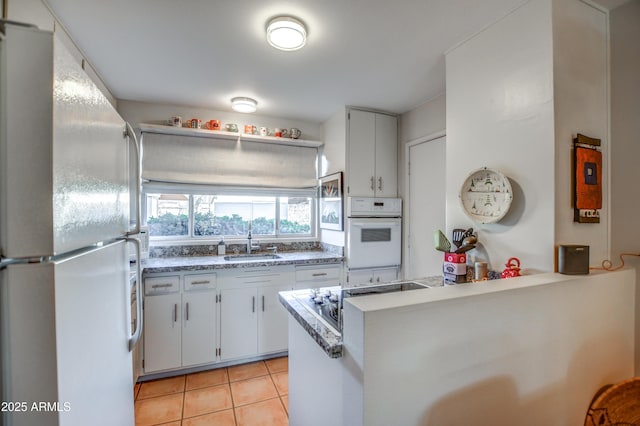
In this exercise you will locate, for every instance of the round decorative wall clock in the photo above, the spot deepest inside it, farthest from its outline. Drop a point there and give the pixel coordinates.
(486, 195)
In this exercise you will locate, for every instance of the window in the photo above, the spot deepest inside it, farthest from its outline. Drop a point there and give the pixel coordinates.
(229, 216)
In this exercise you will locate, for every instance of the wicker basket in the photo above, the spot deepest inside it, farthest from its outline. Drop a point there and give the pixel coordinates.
(617, 404)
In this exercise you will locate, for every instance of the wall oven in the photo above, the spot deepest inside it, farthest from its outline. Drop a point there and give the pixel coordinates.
(374, 232)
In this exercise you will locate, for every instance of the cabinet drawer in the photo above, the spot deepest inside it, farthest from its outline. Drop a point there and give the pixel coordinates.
(200, 282)
(161, 285)
(331, 273)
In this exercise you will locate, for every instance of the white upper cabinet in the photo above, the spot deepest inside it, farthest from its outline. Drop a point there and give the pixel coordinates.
(371, 154)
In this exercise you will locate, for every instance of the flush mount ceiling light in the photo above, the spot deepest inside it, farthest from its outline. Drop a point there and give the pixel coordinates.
(242, 104)
(286, 33)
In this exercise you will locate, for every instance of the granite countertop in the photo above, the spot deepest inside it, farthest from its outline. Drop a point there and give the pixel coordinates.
(200, 263)
(329, 339)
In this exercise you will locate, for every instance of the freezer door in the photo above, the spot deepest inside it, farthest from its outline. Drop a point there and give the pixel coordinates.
(64, 159)
(90, 159)
(66, 328)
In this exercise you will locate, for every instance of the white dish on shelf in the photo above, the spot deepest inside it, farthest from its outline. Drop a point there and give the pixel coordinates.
(486, 195)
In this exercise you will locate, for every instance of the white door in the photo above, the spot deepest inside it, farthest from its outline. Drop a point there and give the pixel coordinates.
(198, 328)
(426, 212)
(386, 182)
(162, 332)
(239, 322)
(361, 153)
(272, 320)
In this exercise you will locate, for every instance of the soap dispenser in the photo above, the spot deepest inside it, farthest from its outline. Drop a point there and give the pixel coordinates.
(221, 247)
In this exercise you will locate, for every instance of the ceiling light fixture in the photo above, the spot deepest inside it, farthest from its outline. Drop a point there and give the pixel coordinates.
(242, 104)
(286, 33)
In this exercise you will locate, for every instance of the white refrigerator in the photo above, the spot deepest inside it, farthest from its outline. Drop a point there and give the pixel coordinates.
(65, 330)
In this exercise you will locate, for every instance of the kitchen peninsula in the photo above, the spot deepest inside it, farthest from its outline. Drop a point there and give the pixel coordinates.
(530, 350)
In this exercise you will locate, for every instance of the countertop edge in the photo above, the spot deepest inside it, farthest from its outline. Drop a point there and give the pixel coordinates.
(330, 342)
(204, 263)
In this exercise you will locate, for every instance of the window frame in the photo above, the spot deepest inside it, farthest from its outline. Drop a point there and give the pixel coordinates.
(276, 193)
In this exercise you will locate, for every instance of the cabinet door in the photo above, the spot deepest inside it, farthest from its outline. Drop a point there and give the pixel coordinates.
(239, 319)
(386, 162)
(272, 320)
(385, 275)
(162, 332)
(198, 328)
(361, 154)
(360, 277)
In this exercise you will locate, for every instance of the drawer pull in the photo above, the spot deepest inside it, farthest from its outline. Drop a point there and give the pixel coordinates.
(200, 282)
(319, 274)
(175, 312)
(162, 285)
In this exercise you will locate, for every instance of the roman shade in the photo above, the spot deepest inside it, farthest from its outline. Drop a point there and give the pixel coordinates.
(226, 162)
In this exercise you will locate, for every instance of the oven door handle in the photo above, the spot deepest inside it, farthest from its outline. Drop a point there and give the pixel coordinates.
(376, 225)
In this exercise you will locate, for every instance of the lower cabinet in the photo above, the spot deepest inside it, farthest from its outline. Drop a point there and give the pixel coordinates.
(180, 325)
(314, 276)
(199, 328)
(253, 321)
(371, 276)
(193, 319)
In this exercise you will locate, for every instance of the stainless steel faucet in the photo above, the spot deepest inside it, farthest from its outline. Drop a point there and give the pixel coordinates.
(250, 245)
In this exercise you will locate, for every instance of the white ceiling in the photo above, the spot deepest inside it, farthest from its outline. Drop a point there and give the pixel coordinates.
(380, 54)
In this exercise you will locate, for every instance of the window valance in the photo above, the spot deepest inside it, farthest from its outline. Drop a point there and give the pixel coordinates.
(226, 162)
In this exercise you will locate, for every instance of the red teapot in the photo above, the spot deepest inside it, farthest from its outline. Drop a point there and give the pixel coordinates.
(512, 268)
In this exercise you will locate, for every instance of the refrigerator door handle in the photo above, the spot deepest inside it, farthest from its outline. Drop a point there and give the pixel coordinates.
(129, 132)
(133, 340)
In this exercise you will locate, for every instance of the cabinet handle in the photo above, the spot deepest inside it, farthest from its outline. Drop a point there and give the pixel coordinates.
(175, 312)
(380, 183)
(187, 318)
(319, 274)
(262, 303)
(371, 279)
(378, 279)
(253, 303)
(200, 282)
(373, 183)
(162, 285)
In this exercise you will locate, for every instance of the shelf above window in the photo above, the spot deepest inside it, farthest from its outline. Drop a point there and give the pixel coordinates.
(221, 134)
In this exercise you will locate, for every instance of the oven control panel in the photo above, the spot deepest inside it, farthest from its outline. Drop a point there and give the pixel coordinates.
(376, 207)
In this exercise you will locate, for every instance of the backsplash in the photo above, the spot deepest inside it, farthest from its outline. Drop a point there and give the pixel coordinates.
(212, 249)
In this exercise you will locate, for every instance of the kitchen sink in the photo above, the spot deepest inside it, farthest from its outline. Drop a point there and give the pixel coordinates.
(248, 257)
(383, 288)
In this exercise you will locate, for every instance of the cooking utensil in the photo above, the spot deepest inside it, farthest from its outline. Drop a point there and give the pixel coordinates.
(464, 249)
(441, 242)
(468, 233)
(458, 236)
(469, 240)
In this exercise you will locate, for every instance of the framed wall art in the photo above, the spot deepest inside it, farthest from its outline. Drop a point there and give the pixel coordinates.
(587, 179)
(331, 214)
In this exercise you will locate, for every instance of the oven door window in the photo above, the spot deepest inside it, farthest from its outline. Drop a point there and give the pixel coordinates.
(375, 235)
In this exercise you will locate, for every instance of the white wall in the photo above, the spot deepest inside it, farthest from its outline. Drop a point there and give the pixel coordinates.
(500, 115)
(533, 351)
(36, 12)
(580, 94)
(151, 113)
(424, 120)
(625, 140)
(333, 159)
